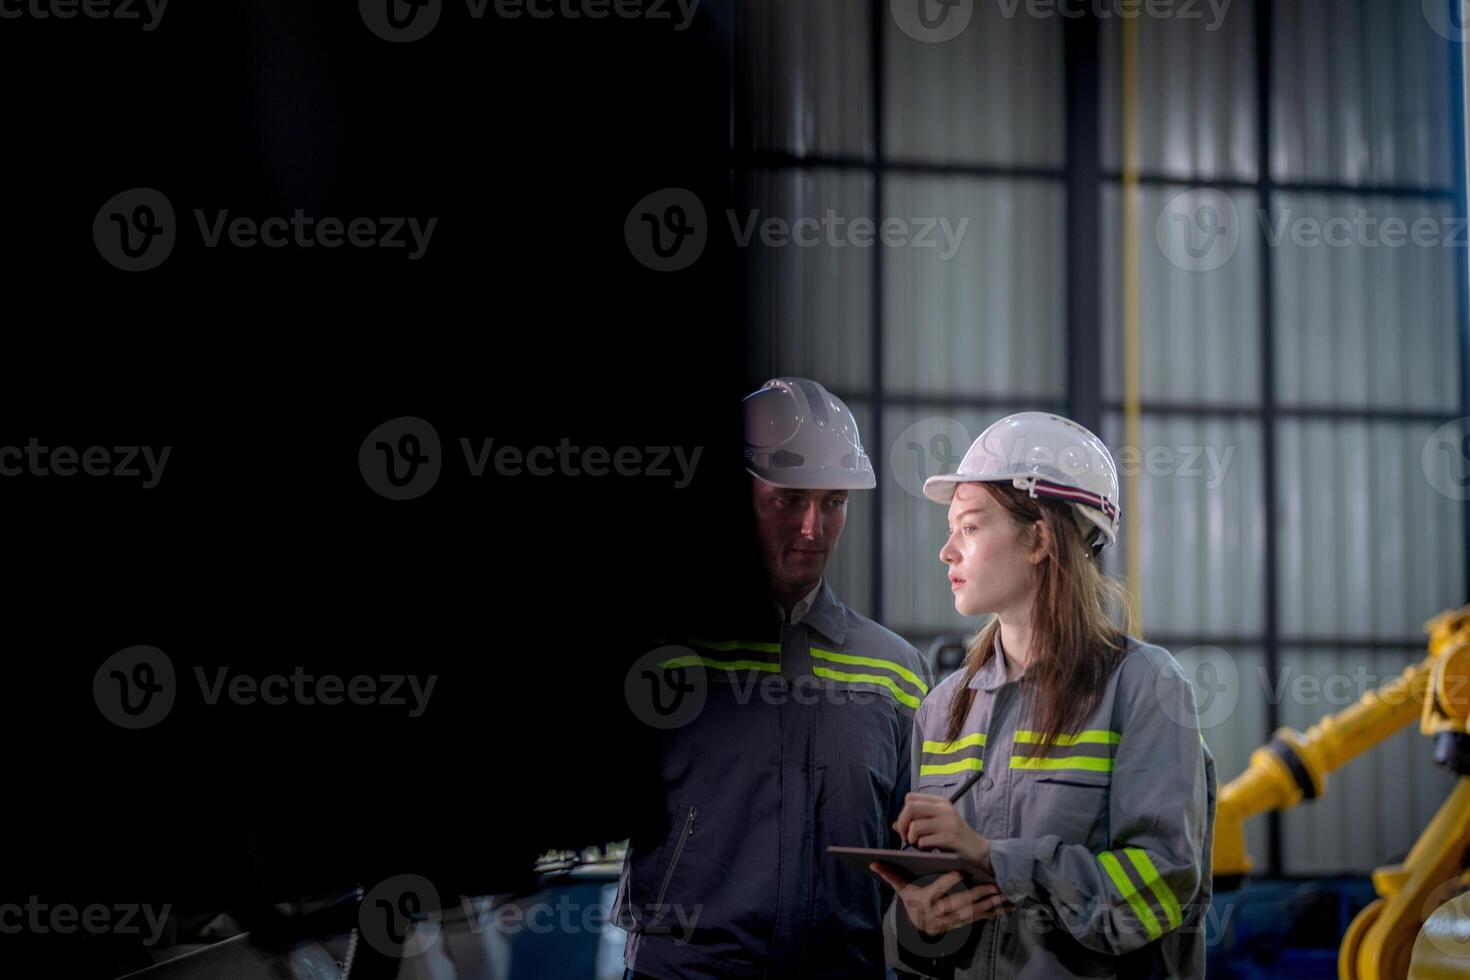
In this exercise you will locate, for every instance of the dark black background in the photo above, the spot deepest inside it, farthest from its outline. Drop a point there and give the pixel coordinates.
(262, 548)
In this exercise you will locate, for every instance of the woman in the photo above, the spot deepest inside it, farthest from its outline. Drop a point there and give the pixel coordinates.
(1094, 813)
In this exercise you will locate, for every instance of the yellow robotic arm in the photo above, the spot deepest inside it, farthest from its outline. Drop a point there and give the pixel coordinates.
(1293, 767)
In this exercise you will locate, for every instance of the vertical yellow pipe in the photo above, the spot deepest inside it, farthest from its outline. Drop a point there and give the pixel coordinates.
(1132, 414)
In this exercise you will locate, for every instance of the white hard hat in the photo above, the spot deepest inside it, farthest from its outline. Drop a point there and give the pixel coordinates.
(800, 436)
(1048, 456)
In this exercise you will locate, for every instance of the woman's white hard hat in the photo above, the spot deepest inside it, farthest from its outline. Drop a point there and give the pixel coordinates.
(1047, 456)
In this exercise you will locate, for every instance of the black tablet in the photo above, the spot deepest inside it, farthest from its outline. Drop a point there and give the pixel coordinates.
(912, 862)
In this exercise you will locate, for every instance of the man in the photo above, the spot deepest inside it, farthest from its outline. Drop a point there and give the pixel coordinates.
(802, 741)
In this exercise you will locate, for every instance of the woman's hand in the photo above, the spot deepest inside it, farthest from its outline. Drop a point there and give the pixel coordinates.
(933, 910)
(932, 822)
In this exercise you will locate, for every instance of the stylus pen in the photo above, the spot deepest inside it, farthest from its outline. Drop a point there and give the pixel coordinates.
(964, 788)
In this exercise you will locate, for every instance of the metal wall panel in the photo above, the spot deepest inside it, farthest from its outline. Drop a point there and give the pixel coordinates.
(990, 95)
(803, 77)
(809, 307)
(1367, 546)
(1202, 529)
(1200, 313)
(1361, 94)
(1359, 320)
(1196, 92)
(990, 319)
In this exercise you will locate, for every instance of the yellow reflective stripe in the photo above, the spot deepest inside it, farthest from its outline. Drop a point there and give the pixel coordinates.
(848, 658)
(1155, 882)
(1140, 907)
(944, 748)
(713, 664)
(1091, 737)
(888, 682)
(944, 768)
(1065, 762)
(728, 645)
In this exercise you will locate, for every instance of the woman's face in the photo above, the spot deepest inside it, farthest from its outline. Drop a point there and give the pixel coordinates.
(989, 571)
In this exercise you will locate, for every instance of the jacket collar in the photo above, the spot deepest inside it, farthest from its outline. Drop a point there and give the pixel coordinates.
(993, 674)
(827, 615)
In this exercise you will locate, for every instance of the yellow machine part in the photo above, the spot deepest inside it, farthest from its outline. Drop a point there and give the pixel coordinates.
(1269, 782)
(1380, 940)
(1442, 949)
(1295, 766)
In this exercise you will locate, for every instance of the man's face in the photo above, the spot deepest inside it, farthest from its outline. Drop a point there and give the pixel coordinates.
(798, 531)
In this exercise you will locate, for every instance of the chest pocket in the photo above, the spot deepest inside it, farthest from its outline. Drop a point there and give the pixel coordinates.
(1071, 803)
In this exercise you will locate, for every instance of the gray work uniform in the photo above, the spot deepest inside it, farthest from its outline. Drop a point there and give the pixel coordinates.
(801, 743)
(1103, 845)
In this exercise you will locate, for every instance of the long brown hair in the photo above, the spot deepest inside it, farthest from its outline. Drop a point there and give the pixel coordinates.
(1080, 619)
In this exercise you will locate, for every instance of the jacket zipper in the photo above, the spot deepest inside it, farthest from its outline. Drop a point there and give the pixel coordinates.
(678, 850)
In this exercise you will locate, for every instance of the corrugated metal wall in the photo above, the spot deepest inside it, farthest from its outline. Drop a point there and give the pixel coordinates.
(1360, 323)
(1197, 95)
(1363, 341)
(808, 306)
(1361, 94)
(993, 94)
(803, 77)
(991, 317)
(1367, 547)
(1203, 527)
(1200, 332)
